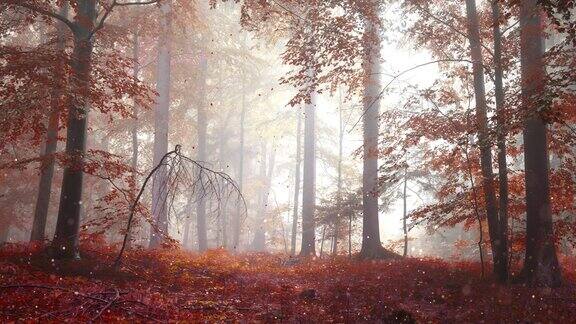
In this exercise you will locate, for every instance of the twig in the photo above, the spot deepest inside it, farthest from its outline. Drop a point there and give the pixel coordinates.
(107, 306)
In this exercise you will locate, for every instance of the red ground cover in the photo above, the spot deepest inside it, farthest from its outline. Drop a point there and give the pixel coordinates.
(172, 285)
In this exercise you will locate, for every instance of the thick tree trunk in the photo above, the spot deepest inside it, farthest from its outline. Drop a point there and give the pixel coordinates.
(238, 214)
(296, 183)
(65, 243)
(483, 133)
(161, 124)
(308, 246)
(501, 142)
(371, 245)
(541, 263)
(47, 166)
(201, 230)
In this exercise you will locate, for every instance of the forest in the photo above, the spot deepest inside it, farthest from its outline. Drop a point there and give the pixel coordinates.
(298, 161)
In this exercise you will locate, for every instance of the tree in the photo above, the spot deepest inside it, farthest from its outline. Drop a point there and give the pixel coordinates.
(501, 143)
(266, 173)
(541, 265)
(308, 246)
(297, 182)
(202, 123)
(86, 23)
(371, 245)
(65, 243)
(484, 141)
(161, 117)
(48, 161)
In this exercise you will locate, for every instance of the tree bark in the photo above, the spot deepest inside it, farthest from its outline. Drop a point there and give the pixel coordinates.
(201, 230)
(161, 124)
(483, 134)
(47, 165)
(308, 246)
(65, 243)
(371, 245)
(541, 262)
(296, 183)
(501, 143)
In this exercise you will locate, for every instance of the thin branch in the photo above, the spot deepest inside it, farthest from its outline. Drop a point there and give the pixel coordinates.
(108, 11)
(46, 12)
(396, 76)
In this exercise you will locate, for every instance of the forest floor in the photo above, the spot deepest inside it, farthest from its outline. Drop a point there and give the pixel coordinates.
(172, 285)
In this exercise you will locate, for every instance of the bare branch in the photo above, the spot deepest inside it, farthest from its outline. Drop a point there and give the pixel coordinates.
(46, 12)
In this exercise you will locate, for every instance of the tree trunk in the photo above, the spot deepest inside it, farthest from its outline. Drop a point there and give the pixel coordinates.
(222, 212)
(161, 116)
(237, 221)
(483, 134)
(65, 243)
(296, 183)
(404, 216)
(322, 241)
(4, 233)
(136, 72)
(259, 243)
(134, 162)
(308, 246)
(202, 123)
(186, 235)
(47, 165)
(339, 181)
(541, 263)
(371, 245)
(501, 142)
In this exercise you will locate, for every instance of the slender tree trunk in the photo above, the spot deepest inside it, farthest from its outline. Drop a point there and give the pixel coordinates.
(371, 245)
(296, 183)
(161, 124)
(134, 162)
(350, 236)
(186, 235)
(501, 142)
(236, 225)
(260, 234)
(404, 216)
(541, 263)
(4, 230)
(308, 246)
(136, 73)
(339, 181)
(483, 134)
(222, 212)
(201, 229)
(322, 241)
(65, 243)
(47, 166)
